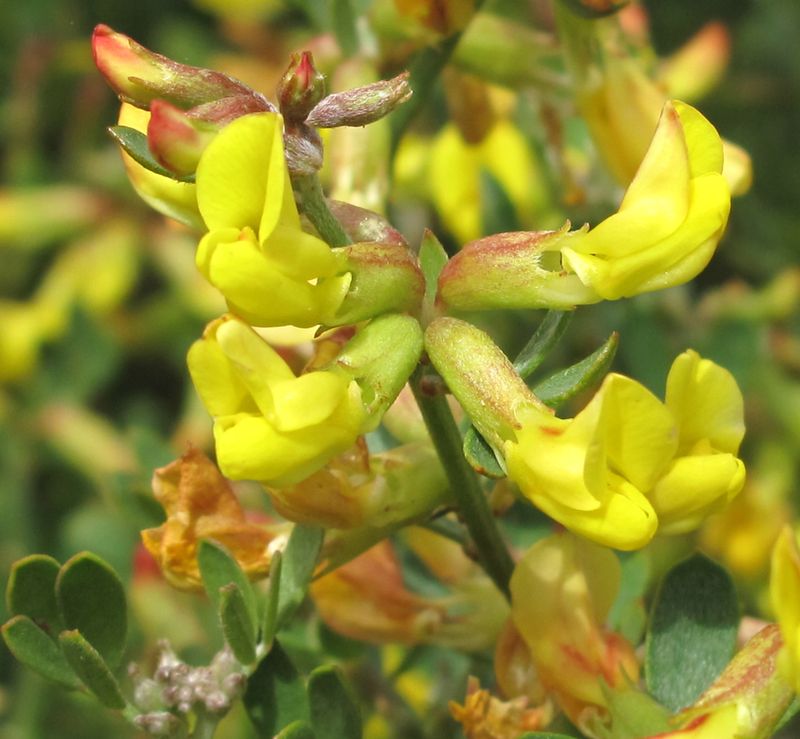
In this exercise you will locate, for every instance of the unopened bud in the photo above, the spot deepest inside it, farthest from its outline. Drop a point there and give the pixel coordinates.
(361, 105)
(300, 88)
(139, 75)
(176, 140)
(362, 225)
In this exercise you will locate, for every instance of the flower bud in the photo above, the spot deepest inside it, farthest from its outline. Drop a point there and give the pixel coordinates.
(481, 377)
(361, 105)
(300, 88)
(139, 75)
(176, 140)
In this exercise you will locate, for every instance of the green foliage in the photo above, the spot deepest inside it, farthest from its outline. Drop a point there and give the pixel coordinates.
(334, 711)
(91, 668)
(276, 695)
(692, 631)
(35, 649)
(297, 566)
(92, 600)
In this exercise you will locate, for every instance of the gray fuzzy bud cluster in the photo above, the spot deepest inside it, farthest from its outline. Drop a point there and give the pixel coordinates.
(176, 689)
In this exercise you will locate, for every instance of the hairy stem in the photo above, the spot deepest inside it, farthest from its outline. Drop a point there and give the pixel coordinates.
(465, 486)
(312, 202)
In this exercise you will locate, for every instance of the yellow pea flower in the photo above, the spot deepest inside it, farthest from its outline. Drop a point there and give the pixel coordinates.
(455, 175)
(707, 406)
(270, 271)
(784, 587)
(627, 465)
(591, 473)
(269, 425)
(671, 218)
(561, 592)
(276, 428)
(664, 234)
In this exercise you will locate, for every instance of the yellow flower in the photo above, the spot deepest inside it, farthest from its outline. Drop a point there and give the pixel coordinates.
(671, 218)
(270, 271)
(561, 592)
(705, 475)
(200, 504)
(278, 429)
(784, 586)
(628, 464)
(590, 473)
(269, 425)
(664, 234)
(455, 175)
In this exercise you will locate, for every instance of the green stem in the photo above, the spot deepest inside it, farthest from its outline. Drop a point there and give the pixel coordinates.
(205, 727)
(424, 70)
(312, 202)
(465, 487)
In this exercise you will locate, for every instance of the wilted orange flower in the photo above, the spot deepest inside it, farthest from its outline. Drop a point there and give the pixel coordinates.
(200, 504)
(485, 717)
(366, 599)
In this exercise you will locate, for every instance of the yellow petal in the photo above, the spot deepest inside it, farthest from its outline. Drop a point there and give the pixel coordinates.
(235, 176)
(784, 588)
(706, 403)
(702, 141)
(257, 291)
(695, 487)
(255, 363)
(639, 433)
(215, 379)
(307, 400)
(300, 255)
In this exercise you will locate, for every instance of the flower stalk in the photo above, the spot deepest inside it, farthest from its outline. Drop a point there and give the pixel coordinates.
(465, 487)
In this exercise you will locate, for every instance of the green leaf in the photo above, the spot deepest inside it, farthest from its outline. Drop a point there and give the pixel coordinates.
(432, 258)
(237, 626)
(297, 730)
(335, 714)
(275, 695)
(299, 560)
(135, 144)
(91, 599)
(343, 22)
(692, 631)
(89, 665)
(219, 568)
(566, 384)
(547, 335)
(273, 598)
(31, 592)
(480, 455)
(35, 649)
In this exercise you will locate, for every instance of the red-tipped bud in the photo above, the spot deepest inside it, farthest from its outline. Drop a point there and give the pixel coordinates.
(139, 75)
(361, 105)
(300, 88)
(175, 139)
